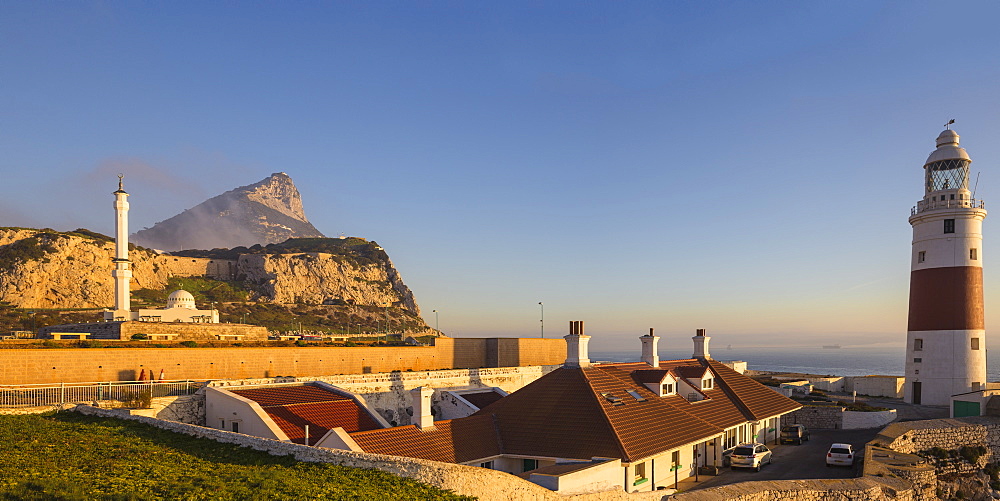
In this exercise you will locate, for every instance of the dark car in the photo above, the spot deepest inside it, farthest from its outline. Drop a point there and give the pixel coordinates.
(794, 433)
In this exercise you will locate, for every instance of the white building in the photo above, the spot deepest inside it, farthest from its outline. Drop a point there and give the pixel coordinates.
(946, 337)
(584, 427)
(180, 304)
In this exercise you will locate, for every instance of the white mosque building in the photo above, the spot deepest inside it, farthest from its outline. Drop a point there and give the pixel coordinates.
(180, 303)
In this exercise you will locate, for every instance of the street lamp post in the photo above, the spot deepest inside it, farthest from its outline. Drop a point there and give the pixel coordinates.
(437, 323)
(542, 320)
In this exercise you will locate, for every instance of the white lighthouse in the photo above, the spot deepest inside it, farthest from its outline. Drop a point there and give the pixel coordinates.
(946, 336)
(123, 267)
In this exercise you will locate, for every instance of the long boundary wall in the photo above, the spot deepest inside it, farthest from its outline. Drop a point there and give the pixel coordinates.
(55, 365)
(486, 485)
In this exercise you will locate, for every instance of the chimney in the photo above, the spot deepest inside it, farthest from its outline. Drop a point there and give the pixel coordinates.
(576, 346)
(701, 345)
(422, 407)
(649, 351)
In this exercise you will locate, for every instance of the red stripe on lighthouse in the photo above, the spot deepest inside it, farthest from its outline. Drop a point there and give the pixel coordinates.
(946, 299)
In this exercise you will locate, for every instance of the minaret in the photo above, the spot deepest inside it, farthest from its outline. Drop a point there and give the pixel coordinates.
(123, 271)
(946, 337)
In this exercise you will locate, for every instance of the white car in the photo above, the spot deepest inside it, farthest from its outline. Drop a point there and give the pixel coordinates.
(750, 456)
(840, 454)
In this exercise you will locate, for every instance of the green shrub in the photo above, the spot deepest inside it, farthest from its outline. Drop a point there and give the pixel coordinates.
(138, 336)
(301, 343)
(189, 344)
(971, 454)
(90, 344)
(139, 399)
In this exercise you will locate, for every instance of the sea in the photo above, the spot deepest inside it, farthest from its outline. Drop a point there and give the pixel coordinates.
(846, 361)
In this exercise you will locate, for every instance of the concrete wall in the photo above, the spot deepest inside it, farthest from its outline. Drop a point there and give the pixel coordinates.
(123, 331)
(600, 477)
(854, 420)
(53, 365)
(486, 485)
(876, 386)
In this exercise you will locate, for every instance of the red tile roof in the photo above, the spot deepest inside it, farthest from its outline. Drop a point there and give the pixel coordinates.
(451, 441)
(590, 412)
(294, 407)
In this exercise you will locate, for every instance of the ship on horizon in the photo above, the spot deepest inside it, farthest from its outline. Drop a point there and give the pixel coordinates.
(831, 347)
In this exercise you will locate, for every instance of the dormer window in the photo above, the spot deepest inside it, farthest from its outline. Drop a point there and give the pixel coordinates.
(707, 383)
(667, 389)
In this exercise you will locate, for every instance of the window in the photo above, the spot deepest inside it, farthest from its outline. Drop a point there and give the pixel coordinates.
(668, 389)
(917, 360)
(921, 256)
(529, 464)
(975, 343)
(236, 426)
(974, 254)
(222, 424)
(949, 226)
(952, 196)
(918, 344)
(706, 384)
(675, 459)
(639, 474)
(488, 465)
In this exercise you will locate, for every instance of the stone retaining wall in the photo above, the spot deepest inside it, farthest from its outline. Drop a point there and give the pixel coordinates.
(822, 417)
(486, 485)
(915, 436)
(855, 489)
(818, 417)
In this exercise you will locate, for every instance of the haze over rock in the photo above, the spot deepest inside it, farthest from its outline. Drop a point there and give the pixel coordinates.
(266, 212)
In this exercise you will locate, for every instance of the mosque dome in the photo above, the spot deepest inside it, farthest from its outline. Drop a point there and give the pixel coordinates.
(180, 299)
(947, 148)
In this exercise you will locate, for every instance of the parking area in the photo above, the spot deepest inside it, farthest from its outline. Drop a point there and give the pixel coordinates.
(792, 462)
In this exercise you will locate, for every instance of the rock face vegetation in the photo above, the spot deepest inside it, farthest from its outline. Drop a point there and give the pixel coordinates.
(326, 283)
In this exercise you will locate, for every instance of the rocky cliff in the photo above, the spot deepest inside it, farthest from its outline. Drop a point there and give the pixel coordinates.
(269, 211)
(48, 269)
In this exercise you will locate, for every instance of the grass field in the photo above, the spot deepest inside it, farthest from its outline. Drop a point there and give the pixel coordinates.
(69, 456)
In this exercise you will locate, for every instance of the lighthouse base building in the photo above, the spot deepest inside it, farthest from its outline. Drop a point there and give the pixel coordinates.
(946, 336)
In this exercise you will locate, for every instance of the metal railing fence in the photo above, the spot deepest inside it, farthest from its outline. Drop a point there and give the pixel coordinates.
(38, 395)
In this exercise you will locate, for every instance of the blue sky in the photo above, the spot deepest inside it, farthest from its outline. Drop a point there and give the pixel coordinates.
(742, 167)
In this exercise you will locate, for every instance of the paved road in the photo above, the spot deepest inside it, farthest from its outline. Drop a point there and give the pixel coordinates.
(799, 461)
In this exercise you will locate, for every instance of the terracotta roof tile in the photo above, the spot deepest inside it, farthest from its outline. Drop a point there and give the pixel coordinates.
(284, 395)
(294, 407)
(644, 376)
(590, 412)
(451, 441)
(756, 399)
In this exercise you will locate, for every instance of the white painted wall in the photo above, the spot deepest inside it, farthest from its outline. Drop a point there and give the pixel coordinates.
(597, 478)
(222, 408)
(853, 420)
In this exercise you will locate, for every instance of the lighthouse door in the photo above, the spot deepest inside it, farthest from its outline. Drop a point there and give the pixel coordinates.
(916, 393)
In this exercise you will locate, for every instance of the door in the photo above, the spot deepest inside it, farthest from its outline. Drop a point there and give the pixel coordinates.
(916, 392)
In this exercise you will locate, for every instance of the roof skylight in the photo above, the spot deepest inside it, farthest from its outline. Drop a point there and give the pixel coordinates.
(636, 395)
